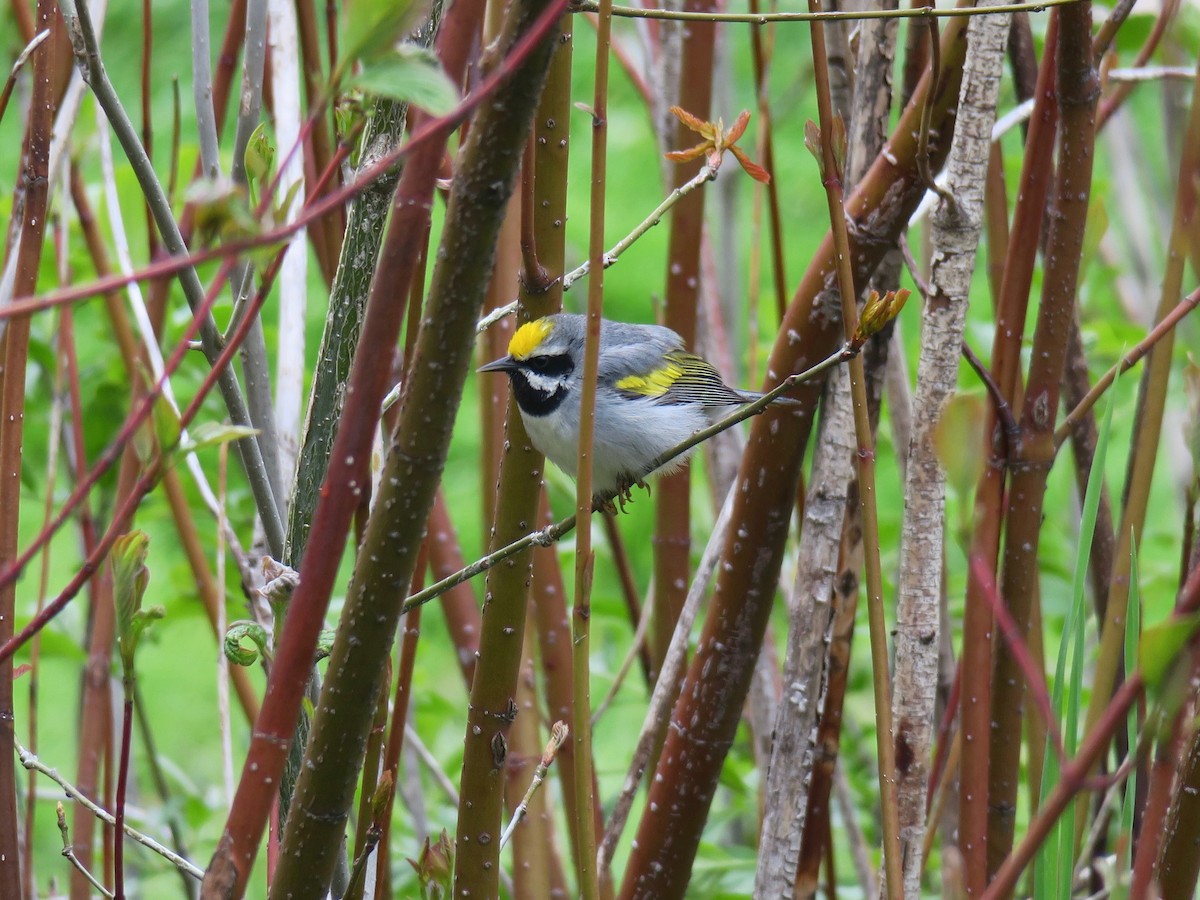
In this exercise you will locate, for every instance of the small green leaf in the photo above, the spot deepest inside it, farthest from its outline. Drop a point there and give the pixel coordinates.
(213, 434)
(413, 75)
(245, 630)
(222, 211)
(166, 423)
(281, 208)
(142, 619)
(325, 643)
(260, 155)
(958, 440)
(371, 27)
(812, 140)
(1161, 647)
(130, 576)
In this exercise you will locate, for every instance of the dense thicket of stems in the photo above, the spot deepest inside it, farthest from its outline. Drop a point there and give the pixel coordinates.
(959, 539)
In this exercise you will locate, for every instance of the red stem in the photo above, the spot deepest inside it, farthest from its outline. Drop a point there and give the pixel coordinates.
(122, 786)
(148, 479)
(33, 183)
(133, 421)
(350, 458)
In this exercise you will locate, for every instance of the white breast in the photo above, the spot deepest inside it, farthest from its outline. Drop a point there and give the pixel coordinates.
(626, 438)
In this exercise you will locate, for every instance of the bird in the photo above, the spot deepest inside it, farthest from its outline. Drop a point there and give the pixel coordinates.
(651, 394)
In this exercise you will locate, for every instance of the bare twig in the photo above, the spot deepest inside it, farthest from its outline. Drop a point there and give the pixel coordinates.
(69, 852)
(33, 763)
(24, 55)
(87, 50)
(706, 174)
(558, 735)
(1127, 362)
(912, 12)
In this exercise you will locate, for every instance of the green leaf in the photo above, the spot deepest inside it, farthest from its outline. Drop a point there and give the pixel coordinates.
(166, 423)
(812, 140)
(260, 155)
(213, 434)
(413, 75)
(1161, 647)
(130, 575)
(957, 438)
(282, 207)
(245, 630)
(325, 643)
(142, 620)
(222, 211)
(371, 27)
(130, 578)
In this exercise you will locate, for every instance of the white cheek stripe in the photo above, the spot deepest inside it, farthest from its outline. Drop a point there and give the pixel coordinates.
(542, 383)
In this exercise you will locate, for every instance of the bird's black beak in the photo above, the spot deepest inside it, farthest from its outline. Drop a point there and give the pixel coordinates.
(505, 364)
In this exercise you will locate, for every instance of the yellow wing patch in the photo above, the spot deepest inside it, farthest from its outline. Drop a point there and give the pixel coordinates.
(654, 383)
(529, 337)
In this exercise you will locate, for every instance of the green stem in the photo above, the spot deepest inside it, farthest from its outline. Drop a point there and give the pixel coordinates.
(830, 167)
(87, 52)
(581, 612)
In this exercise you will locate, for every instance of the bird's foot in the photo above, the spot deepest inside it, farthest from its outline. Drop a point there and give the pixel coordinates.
(624, 493)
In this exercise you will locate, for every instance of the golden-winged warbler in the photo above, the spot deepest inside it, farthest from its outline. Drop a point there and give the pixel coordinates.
(651, 394)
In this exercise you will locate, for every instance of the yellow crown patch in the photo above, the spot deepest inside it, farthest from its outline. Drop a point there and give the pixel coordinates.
(528, 338)
(654, 383)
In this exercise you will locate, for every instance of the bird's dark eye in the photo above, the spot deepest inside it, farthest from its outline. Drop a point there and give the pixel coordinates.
(550, 364)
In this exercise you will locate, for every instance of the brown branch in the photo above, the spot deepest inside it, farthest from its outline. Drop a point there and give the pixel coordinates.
(671, 539)
(32, 200)
(954, 241)
(1078, 89)
(1011, 306)
(709, 709)
(1148, 422)
(483, 183)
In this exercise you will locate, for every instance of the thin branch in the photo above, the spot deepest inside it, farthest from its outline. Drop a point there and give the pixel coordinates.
(87, 50)
(706, 174)
(34, 764)
(558, 735)
(831, 175)
(1126, 362)
(913, 12)
(68, 851)
(24, 55)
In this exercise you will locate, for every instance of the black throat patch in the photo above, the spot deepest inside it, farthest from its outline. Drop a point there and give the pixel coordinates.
(535, 400)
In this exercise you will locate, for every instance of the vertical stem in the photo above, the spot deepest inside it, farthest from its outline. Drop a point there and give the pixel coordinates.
(1147, 427)
(395, 742)
(130, 685)
(34, 175)
(672, 513)
(1034, 453)
(1011, 306)
(955, 240)
(585, 800)
(830, 167)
